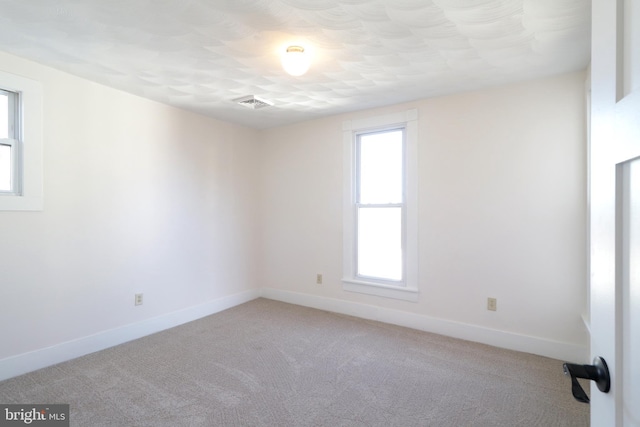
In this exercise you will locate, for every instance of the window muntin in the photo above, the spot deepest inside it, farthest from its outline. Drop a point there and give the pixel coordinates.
(380, 205)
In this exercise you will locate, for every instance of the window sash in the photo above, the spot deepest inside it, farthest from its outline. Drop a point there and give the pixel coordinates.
(368, 264)
(9, 137)
(12, 165)
(12, 115)
(397, 280)
(363, 179)
(11, 129)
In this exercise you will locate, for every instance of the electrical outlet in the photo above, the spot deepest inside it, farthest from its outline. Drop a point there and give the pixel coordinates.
(492, 304)
(319, 279)
(138, 299)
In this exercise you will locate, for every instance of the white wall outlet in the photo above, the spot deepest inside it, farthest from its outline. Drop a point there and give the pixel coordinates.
(492, 304)
(138, 299)
(319, 279)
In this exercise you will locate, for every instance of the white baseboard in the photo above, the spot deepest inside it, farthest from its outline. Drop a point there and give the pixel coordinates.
(41, 358)
(497, 338)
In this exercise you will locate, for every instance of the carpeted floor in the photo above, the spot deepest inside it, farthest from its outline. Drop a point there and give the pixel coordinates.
(266, 363)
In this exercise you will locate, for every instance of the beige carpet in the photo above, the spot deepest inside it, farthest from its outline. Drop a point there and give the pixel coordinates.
(267, 363)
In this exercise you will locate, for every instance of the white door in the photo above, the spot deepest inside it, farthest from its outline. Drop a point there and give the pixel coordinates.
(615, 209)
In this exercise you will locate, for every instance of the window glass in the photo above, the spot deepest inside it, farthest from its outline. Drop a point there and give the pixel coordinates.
(4, 115)
(380, 242)
(380, 167)
(5, 167)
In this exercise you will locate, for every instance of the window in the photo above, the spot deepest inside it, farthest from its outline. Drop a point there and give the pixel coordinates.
(20, 143)
(9, 143)
(380, 206)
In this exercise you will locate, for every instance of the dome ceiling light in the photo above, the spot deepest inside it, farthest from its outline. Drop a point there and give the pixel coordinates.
(295, 61)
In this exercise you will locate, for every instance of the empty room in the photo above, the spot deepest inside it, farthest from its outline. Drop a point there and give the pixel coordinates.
(319, 213)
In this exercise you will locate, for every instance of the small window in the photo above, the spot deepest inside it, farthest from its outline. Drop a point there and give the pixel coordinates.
(20, 143)
(380, 206)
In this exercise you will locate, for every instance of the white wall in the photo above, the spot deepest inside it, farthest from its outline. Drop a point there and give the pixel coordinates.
(138, 197)
(200, 215)
(502, 214)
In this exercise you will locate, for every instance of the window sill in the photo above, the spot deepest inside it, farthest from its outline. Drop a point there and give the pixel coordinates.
(377, 289)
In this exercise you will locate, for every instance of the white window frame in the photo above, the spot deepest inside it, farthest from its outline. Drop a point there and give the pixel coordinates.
(407, 289)
(27, 146)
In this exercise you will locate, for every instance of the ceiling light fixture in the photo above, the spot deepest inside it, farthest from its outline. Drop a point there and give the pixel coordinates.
(295, 61)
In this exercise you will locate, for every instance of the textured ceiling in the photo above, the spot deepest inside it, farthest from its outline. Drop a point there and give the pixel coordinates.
(202, 54)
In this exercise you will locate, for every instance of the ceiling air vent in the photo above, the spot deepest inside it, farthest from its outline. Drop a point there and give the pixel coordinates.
(253, 102)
